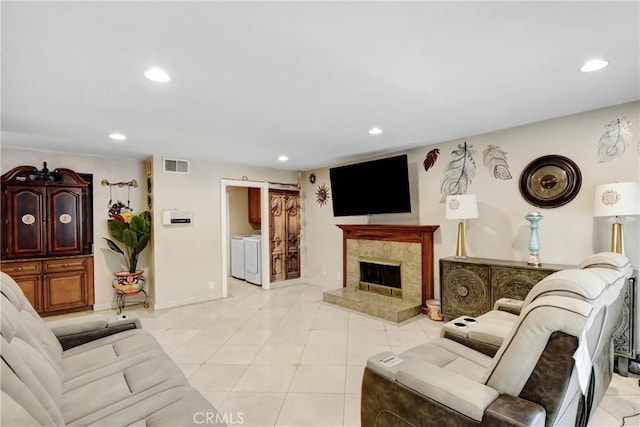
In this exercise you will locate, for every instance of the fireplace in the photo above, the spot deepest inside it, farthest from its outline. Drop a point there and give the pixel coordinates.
(380, 276)
(387, 270)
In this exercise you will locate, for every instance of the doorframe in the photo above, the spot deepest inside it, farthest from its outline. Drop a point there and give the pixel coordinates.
(264, 229)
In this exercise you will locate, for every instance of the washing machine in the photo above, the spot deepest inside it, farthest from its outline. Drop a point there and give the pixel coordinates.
(237, 257)
(252, 259)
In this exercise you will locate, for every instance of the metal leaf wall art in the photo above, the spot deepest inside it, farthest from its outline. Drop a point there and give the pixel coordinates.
(430, 159)
(459, 172)
(495, 159)
(614, 140)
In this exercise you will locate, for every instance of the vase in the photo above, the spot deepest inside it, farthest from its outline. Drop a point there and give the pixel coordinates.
(129, 283)
(534, 244)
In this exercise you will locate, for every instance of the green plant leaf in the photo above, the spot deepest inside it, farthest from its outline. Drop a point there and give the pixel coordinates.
(112, 245)
(137, 224)
(143, 242)
(116, 229)
(130, 239)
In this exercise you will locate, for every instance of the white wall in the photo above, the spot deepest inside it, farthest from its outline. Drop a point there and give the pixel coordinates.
(106, 262)
(187, 258)
(239, 211)
(567, 234)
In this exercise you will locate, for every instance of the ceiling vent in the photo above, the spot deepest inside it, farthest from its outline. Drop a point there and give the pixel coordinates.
(176, 166)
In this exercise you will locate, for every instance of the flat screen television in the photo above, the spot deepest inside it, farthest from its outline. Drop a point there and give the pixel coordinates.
(374, 187)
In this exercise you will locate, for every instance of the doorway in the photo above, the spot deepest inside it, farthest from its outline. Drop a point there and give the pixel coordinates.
(225, 186)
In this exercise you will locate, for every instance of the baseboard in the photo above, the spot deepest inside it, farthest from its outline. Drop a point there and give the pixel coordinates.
(186, 301)
(112, 305)
(104, 306)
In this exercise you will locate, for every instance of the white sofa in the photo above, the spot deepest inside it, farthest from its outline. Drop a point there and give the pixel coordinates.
(109, 372)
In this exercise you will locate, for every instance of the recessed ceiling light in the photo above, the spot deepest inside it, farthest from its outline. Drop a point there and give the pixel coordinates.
(594, 65)
(283, 158)
(117, 136)
(157, 75)
(375, 131)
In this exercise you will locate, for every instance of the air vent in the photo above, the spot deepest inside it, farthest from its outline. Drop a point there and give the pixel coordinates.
(176, 166)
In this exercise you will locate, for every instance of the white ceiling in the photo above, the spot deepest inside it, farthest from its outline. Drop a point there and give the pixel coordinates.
(254, 80)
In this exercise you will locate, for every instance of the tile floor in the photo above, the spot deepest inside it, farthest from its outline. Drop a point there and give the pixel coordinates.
(284, 358)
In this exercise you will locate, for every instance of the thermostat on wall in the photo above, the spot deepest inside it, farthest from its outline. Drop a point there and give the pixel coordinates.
(176, 217)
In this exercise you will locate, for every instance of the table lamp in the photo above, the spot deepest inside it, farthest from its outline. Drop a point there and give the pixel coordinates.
(617, 199)
(461, 207)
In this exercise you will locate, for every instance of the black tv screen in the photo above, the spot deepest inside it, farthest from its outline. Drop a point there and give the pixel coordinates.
(374, 187)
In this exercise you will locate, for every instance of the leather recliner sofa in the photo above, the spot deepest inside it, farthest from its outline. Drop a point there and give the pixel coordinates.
(549, 368)
(89, 371)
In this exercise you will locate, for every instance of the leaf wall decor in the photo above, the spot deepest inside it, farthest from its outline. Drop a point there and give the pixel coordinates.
(496, 160)
(614, 140)
(430, 159)
(459, 172)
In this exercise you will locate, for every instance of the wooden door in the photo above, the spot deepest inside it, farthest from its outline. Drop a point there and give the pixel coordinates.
(277, 236)
(284, 229)
(65, 220)
(293, 235)
(25, 222)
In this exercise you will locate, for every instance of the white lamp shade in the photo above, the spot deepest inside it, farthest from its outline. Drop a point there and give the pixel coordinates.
(617, 199)
(461, 206)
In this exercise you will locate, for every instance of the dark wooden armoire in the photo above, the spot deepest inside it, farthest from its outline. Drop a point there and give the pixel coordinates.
(47, 233)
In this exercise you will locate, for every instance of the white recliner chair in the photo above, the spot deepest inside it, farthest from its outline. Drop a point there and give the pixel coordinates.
(548, 365)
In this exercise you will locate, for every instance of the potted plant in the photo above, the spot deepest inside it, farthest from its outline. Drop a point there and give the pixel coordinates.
(133, 233)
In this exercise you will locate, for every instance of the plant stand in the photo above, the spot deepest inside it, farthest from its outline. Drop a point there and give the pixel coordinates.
(127, 285)
(122, 296)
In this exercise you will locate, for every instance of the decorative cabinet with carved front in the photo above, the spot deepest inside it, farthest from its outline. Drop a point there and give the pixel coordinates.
(625, 342)
(284, 228)
(46, 237)
(471, 286)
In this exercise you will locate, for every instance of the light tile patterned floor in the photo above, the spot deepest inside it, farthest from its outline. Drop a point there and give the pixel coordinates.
(284, 358)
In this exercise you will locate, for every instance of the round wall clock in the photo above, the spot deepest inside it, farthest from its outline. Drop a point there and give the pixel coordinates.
(550, 181)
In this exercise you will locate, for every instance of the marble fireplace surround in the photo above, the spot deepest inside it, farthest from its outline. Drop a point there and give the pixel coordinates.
(410, 244)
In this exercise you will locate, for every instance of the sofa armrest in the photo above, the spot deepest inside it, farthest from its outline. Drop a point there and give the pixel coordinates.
(513, 411)
(462, 394)
(75, 331)
(509, 305)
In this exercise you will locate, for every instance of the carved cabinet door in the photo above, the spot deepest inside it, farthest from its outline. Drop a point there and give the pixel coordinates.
(65, 221)
(465, 289)
(26, 223)
(508, 282)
